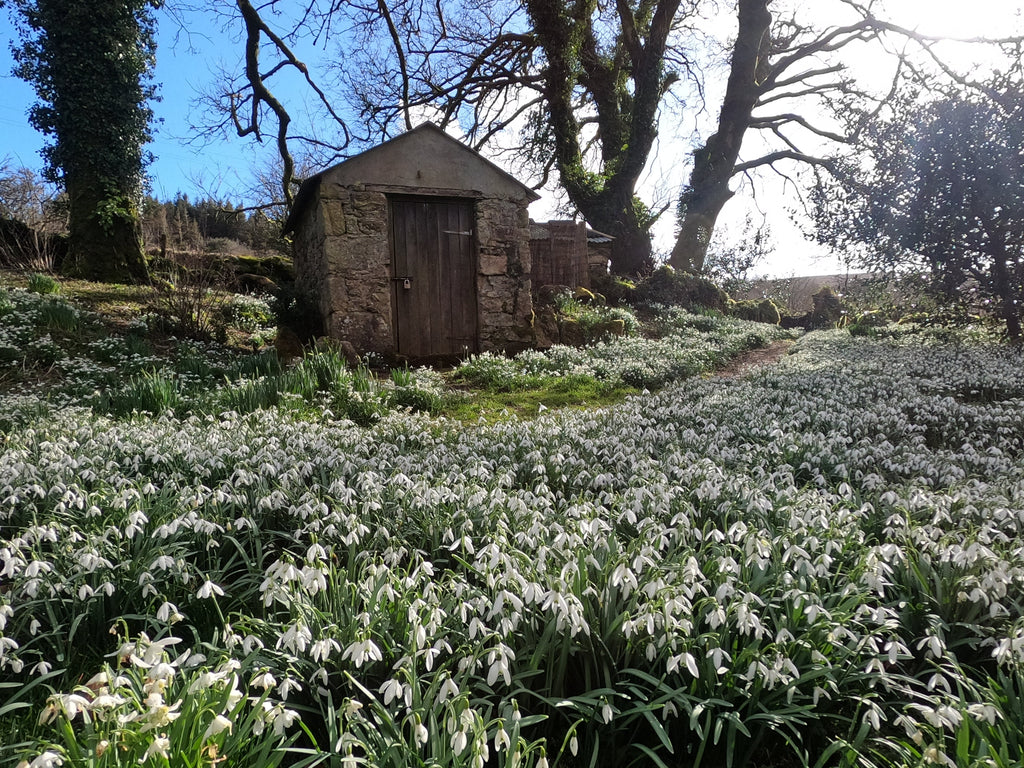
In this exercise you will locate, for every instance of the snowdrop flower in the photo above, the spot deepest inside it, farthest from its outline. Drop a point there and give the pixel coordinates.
(391, 690)
(160, 715)
(502, 741)
(296, 638)
(47, 759)
(287, 686)
(448, 689)
(352, 707)
(263, 680)
(459, 741)
(283, 720)
(321, 649)
(217, 725)
(209, 589)
(362, 651)
(158, 748)
(169, 612)
(420, 734)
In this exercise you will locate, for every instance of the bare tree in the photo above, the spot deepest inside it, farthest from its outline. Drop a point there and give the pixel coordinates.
(583, 86)
(245, 102)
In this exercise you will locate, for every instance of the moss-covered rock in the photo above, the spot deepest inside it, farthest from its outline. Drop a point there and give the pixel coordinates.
(614, 290)
(763, 311)
(672, 288)
(828, 311)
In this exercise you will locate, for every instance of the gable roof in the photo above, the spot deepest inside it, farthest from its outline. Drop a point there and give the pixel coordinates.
(425, 158)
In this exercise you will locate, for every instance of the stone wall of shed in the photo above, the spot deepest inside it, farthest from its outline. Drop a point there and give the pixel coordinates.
(357, 267)
(503, 282)
(311, 265)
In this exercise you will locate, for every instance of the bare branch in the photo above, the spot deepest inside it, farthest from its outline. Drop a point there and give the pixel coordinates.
(775, 121)
(785, 154)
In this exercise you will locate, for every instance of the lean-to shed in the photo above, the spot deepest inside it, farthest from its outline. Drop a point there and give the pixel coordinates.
(419, 247)
(567, 253)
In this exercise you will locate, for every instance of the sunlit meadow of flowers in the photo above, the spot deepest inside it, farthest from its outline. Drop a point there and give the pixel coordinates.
(817, 565)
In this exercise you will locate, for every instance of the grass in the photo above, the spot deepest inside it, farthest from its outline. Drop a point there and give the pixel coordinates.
(108, 348)
(471, 406)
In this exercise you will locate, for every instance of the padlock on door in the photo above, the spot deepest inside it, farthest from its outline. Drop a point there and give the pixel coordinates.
(407, 283)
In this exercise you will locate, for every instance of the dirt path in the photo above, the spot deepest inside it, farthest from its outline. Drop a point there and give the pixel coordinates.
(753, 359)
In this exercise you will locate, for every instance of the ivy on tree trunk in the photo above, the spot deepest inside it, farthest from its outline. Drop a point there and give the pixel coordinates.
(90, 62)
(714, 163)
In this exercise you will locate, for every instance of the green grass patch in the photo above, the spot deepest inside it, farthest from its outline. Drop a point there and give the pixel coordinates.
(543, 393)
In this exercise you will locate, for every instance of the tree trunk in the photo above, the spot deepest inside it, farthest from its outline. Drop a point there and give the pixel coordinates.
(631, 252)
(713, 164)
(105, 238)
(691, 248)
(1003, 289)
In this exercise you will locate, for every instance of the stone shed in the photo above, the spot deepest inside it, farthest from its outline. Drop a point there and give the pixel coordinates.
(419, 248)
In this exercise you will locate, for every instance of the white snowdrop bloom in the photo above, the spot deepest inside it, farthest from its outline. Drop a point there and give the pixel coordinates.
(263, 680)
(207, 679)
(72, 703)
(321, 649)
(352, 707)
(420, 734)
(152, 651)
(502, 740)
(296, 638)
(47, 759)
(209, 589)
(459, 741)
(159, 747)
(607, 713)
(169, 612)
(391, 690)
(447, 690)
(163, 563)
(106, 701)
(251, 643)
(41, 668)
(217, 725)
(162, 670)
(362, 651)
(288, 685)
(935, 646)
(717, 656)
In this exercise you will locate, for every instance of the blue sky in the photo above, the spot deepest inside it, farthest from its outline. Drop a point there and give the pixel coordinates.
(222, 169)
(183, 68)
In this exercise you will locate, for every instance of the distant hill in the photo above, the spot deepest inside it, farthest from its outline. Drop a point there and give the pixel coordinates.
(794, 293)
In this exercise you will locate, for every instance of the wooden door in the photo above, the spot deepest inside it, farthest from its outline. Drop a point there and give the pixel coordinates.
(433, 291)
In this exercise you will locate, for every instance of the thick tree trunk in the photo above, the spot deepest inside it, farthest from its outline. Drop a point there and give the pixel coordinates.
(713, 164)
(691, 248)
(105, 239)
(626, 91)
(632, 254)
(631, 251)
